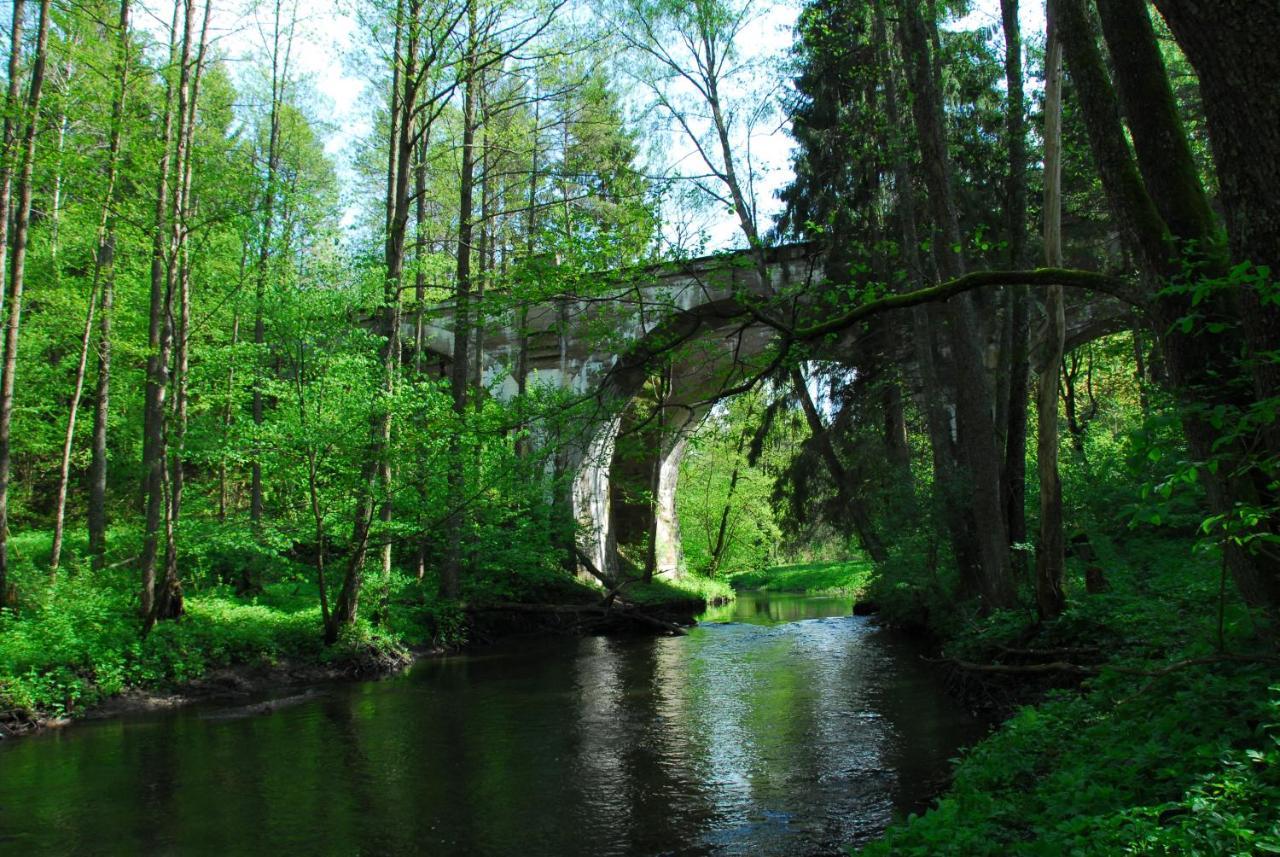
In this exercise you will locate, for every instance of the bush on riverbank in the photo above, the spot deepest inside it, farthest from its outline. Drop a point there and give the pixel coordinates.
(1170, 748)
(849, 577)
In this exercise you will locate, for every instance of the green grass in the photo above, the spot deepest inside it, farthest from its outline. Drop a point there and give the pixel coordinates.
(75, 640)
(80, 644)
(814, 578)
(1187, 762)
(690, 587)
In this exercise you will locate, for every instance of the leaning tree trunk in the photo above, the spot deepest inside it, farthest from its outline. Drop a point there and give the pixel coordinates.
(854, 506)
(346, 607)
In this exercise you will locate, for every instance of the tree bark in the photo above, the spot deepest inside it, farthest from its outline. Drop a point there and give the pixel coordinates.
(1230, 45)
(12, 127)
(17, 275)
(279, 75)
(169, 601)
(159, 333)
(104, 269)
(925, 319)
(449, 579)
(1016, 356)
(1201, 362)
(1051, 551)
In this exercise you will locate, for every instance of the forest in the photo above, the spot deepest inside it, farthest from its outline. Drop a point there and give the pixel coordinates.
(534, 340)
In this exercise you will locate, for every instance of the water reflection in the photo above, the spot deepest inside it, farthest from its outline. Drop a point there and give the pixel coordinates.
(761, 736)
(770, 608)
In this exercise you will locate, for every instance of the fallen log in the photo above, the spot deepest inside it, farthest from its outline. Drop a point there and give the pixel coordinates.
(624, 611)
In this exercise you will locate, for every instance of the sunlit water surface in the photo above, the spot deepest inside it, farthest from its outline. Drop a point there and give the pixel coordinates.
(781, 725)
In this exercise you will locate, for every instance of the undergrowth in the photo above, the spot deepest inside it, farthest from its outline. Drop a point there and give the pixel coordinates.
(1184, 761)
(814, 578)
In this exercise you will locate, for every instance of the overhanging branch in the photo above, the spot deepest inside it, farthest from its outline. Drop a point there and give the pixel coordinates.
(1068, 277)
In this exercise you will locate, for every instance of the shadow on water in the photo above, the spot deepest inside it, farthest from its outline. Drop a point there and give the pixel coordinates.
(782, 725)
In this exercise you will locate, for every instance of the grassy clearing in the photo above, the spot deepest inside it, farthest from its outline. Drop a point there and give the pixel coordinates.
(1186, 762)
(849, 577)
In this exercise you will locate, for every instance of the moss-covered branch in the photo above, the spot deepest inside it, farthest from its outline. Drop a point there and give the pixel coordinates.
(1068, 277)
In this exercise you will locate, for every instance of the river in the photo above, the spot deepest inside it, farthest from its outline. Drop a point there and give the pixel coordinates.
(781, 725)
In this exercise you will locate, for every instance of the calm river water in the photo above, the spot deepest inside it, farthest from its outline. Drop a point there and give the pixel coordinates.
(780, 726)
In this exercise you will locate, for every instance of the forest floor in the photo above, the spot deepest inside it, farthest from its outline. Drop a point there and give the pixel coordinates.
(72, 648)
(1138, 723)
(847, 577)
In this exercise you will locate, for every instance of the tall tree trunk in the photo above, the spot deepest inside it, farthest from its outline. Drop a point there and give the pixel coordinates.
(12, 127)
(17, 275)
(449, 582)
(279, 77)
(229, 410)
(925, 319)
(169, 602)
(977, 431)
(1148, 196)
(1051, 551)
(402, 127)
(68, 438)
(1016, 357)
(346, 607)
(159, 333)
(420, 295)
(108, 201)
(721, 542)
(1231, 46)
(104, 269)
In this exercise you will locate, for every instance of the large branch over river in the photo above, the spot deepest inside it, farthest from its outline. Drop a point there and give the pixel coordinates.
(1068, 277)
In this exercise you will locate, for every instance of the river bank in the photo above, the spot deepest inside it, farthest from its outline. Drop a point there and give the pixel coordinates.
(75, 653)
(1136, 722)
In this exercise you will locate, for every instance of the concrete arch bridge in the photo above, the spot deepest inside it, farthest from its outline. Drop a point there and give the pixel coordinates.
(703, 322)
